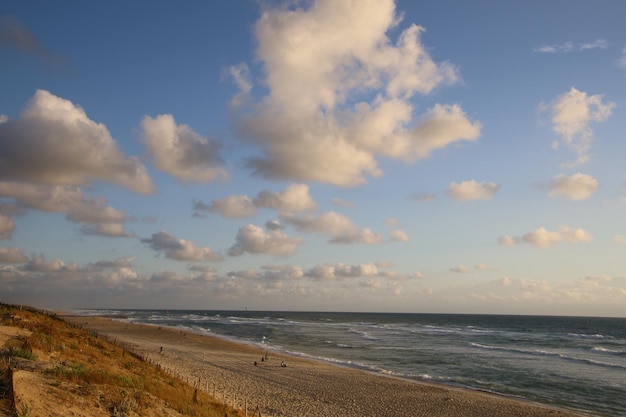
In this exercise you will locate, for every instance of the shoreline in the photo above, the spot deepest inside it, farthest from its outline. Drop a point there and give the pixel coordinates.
(306, 386)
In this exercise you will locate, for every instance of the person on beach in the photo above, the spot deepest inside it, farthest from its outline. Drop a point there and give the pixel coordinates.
(161, 351)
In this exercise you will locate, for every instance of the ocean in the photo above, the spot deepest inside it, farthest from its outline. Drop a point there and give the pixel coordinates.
(577, 363)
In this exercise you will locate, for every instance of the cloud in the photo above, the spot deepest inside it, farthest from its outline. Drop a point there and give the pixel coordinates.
(38, 263)
(7, 226)
(253, 239)
(180, 249)
(576, 187)
(572, 113)
(105, 229)
(620, 239)
(571, 47)
(462, 269)
(424, 197)
(399, 236)
(179, 151)
(124, 262)
(14, 34)
(53, 142)
(472, 190)
(232, 207)
(293, 199)
(340, 93)
(99, 218)
(338, 227)
(544, 238)
(12, 255)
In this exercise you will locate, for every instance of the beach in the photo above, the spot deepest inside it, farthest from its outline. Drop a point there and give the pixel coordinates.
(285, 385)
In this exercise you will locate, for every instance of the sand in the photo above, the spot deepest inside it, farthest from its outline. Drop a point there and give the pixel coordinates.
(304, 387)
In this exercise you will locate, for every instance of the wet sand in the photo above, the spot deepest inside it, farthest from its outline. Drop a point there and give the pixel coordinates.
(304, 387)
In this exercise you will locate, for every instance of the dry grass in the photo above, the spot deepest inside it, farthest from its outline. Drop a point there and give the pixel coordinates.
(103, 372)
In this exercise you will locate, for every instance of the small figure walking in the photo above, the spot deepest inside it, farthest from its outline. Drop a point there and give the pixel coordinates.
(161, 351)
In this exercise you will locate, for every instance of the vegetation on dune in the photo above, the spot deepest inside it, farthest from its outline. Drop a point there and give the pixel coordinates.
(108, 375)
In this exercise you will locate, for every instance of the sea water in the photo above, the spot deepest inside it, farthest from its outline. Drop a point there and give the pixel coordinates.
(578, 363)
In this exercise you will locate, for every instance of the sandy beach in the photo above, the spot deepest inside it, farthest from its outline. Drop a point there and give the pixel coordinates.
(303, 387)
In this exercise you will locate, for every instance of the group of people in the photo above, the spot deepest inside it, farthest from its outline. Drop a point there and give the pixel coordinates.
(265, 358)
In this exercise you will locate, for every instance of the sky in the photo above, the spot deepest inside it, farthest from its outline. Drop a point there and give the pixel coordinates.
(366, 155)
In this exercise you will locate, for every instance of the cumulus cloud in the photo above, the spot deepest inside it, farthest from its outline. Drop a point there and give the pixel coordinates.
(569, 46)
(253, 239)
(232, 207)
(472, 190)
(399, 236)
(293, 199)
(12, 255)
(99, 218)
(336, 226)
(54, 142)
(572, 114)
(544, 238)
(179, 151)
(180, 249)
(575, 187)
(38, 263)
(339, 93)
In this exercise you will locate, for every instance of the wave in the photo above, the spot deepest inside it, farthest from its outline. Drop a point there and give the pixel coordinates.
(608, 351)
(587, 336)
(540, 352)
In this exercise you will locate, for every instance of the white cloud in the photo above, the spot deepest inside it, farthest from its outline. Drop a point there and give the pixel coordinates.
(461, 269)
(338, 227)
(232, 207)
(54, 142)
(38, 263)
(4, 118)
(181, 152)
(180, 249)
(571, 47)
(472, 190)
(399, 236)
(544, 238)
(253, 239)
(11, 255)
(293, 199)
(99, 218)
(572, 113)
(575, 187)
(321, 62)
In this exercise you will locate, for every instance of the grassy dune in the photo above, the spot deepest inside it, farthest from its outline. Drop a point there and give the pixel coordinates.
(51, 367)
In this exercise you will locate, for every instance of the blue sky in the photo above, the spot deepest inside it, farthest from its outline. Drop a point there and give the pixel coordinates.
(317, 155)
